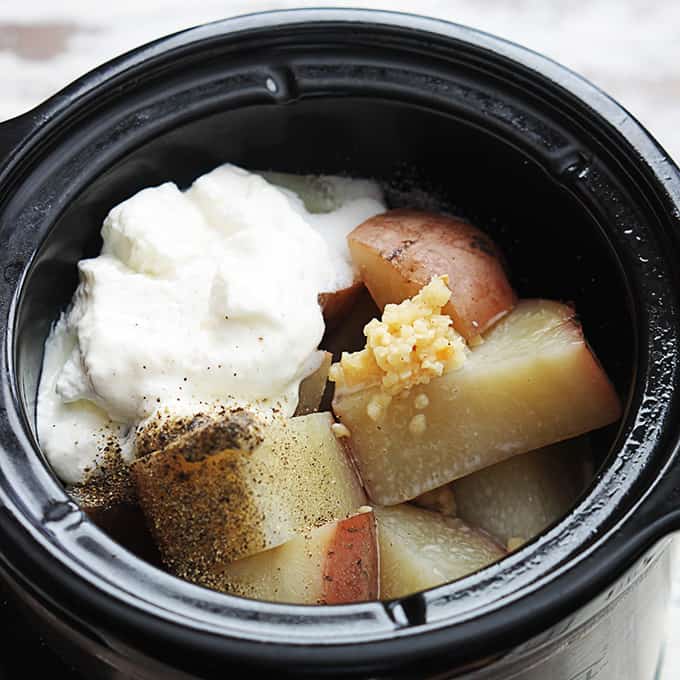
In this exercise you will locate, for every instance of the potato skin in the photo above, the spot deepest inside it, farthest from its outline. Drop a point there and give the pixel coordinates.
(399, 251)
(351, 570)
(313, 387)
(338, 304)
(531, 383)
(336, 563)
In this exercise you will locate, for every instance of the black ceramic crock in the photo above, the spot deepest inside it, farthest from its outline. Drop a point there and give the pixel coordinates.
(580, 197)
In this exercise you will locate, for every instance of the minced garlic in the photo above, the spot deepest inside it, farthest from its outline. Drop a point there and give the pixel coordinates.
(340, 430)
(421, 401)
(378, 405)
(412, 343)
(418, 424)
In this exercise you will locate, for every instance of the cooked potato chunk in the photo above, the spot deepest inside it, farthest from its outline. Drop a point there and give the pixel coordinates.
(211, 497)
(518, 498)
(333, 564)
(441, 500)
(398, 252)
(348, 334)
(533, 382)
(313, 387)
(420, 549)
(338, 304)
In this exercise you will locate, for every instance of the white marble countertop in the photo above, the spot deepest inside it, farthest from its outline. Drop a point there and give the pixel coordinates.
(630, 48)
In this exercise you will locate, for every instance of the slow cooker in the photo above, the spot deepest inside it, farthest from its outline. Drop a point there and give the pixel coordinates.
(583, 201)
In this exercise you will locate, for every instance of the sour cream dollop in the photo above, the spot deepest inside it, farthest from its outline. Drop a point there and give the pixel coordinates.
(202, 297)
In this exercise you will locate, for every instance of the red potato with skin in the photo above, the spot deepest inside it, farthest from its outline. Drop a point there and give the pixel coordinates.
(338, 304)
(532, 382)
(399, 252)
(348, 335)
(333, 564)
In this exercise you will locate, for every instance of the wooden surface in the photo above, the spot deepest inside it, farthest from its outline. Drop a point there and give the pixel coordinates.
(631, 49)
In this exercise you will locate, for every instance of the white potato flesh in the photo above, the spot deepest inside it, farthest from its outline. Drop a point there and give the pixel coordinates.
(520, 497)
(333, 564)
(420, 549)
(533, 382)
(236, 503)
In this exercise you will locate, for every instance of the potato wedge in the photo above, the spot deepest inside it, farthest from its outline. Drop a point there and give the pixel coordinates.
(313, 387)
(208, 502)
(333, 564)
(338, 304)
(533, 382)
(398, 252)
(420, 549)
(523, 495)
(441, 500)
(348, 335)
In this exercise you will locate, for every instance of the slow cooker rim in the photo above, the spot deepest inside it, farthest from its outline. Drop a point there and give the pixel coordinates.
(135, 57)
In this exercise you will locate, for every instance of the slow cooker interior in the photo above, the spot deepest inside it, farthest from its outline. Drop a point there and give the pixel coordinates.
(554, 245)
